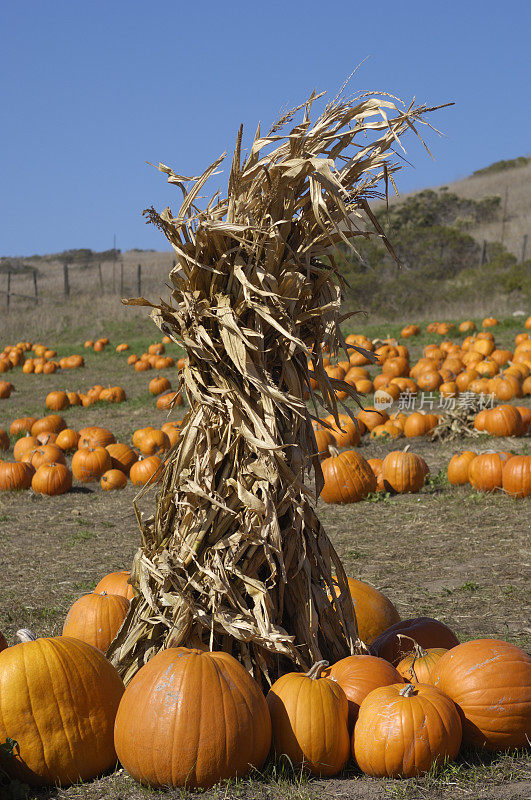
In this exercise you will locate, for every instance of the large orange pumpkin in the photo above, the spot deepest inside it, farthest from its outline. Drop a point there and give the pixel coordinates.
(58, 701)
(192, 718)
(296, 700)
(405, 730)
(96, 618)
(374, 611)
(490, 680)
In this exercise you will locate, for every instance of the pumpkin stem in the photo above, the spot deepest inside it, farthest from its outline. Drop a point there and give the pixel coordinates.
(315, 671)
(408, 690)
(25, 635)
(418, 652)
(334, 452)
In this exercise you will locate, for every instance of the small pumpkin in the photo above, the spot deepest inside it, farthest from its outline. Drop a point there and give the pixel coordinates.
(89, 463)
(405, 730)
(113, 480)
(458, 467)
(68, 440)
(418, 666)
(122, 456)
(348, 478)
(57, 400)
(52, 479)
(116, 583)
(295, 700)
(144, 469)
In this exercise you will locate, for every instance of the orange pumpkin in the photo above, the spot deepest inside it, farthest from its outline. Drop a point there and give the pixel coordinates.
(374, 611)
(490, 681)
(418, 666)
(359, 675)
(192, 718)
(67, 439)
(52, 479)
(15, 475)
(457, 471)
(516, 476)
(70, 739)
(485, 472)
(89, 463)
(347, 478)
(403, 472)
(116, 583)
(95, 436)
(295, 700)
(113, 480)
(122, 456)
(144, 469)
(405, 730)
(96, 619)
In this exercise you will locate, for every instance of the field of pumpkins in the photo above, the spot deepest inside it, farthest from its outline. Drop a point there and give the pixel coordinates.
(425, 497)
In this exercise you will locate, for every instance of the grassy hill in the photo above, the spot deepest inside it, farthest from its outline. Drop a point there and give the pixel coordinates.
(439, 235)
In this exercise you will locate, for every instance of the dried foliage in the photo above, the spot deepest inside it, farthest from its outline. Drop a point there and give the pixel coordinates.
(235, 557)
(457, 422)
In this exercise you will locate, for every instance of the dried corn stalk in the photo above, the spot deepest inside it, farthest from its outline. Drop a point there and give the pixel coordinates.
(458, 422)
(235, 557)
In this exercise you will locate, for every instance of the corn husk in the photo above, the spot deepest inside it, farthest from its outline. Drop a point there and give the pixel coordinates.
(235, 557)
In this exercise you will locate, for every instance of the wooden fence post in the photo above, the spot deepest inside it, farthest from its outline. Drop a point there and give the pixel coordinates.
(121, 278)
(484, 252)
(524, 248)
(139, 280)
(8, 288)
(35, 286)
(101, 278)
(66, 281)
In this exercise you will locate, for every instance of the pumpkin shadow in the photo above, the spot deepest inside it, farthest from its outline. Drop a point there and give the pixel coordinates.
(80, 490)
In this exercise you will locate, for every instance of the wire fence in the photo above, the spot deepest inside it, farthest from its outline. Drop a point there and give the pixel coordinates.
(34, 286)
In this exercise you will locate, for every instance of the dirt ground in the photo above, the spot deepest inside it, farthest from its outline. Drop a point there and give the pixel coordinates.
(446, 552)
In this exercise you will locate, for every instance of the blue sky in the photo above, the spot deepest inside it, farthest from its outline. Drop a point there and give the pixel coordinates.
(91, 91)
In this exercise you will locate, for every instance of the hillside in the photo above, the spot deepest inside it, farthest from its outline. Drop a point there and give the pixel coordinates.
(513, 177)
